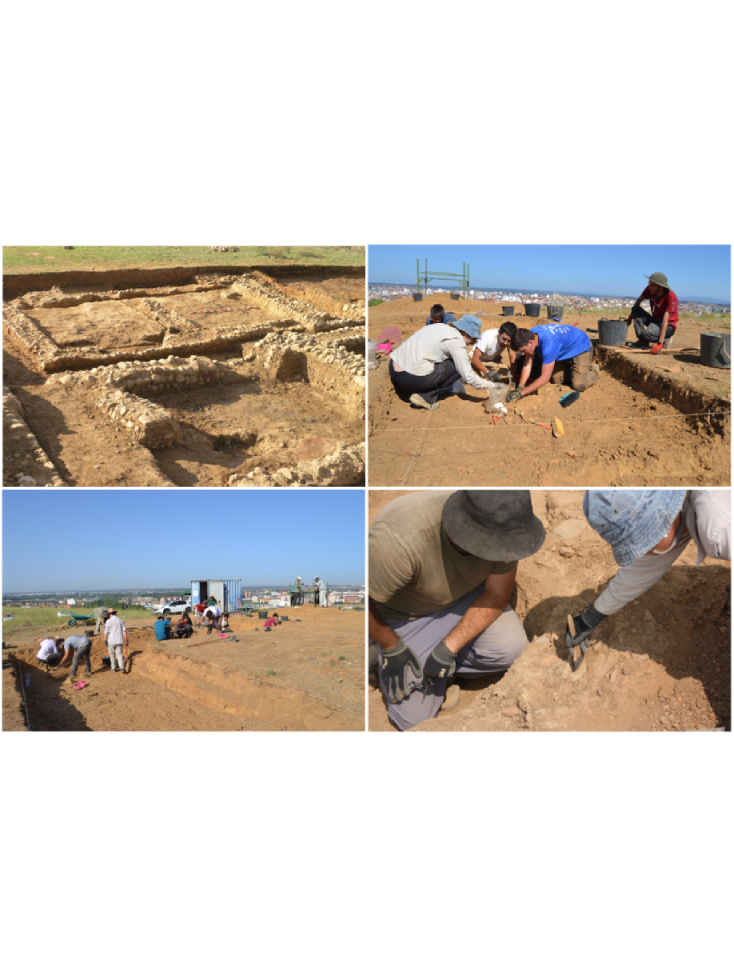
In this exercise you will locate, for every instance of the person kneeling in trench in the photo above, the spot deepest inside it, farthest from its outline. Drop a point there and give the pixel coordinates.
(435, 361)
(554, 352)
(184, 628)
(442, 570)
(648, 530)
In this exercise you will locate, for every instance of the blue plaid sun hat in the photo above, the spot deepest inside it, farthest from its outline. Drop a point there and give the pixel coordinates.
(632, 521)
(471, 325)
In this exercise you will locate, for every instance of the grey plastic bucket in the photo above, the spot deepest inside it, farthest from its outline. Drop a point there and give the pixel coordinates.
(613, 333)
(283, 618)
(532, 309)
(417, 297)
(263, 615)
(555, 311)
(508, 310)
(454, 296)
(716, 350)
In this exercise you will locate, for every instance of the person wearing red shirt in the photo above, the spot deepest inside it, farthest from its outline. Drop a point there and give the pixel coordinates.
(660, 325)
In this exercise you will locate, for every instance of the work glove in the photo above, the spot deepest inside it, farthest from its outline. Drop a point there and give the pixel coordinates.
(584, 625)
(514, 395)
(496, 377)
(395, 663)
(441, 664)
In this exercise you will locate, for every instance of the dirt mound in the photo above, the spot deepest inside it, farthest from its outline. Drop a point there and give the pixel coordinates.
(661, 663)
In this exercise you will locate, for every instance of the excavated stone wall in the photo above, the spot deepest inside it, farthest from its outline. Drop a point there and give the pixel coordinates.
(345, 466)
(22, 445)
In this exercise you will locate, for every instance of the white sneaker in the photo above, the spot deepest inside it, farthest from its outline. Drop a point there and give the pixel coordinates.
(453, 695)
(419, 402)
(667, 343)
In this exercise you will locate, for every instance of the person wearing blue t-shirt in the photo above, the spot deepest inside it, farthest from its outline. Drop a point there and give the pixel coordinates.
(553, 352)
(437, 315)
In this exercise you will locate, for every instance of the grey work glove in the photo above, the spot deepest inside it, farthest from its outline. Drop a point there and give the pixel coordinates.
(584, 625)
(440, 664)
(395, 663)
(514, 395)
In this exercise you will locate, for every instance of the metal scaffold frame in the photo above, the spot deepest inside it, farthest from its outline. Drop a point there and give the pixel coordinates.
(427, 276)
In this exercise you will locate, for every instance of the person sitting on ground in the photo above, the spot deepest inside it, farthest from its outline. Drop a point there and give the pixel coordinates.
(437, 315)
(224, 622)
(51, 652)
(435, 361)
(660, 325)
(184, 628)
(648, 530)
(82, 646)
(488, 350)
(553, 352)
(272, 620)
(442, 568)
(162, 628)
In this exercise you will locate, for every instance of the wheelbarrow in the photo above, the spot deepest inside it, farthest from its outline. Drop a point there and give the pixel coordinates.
(81, 619)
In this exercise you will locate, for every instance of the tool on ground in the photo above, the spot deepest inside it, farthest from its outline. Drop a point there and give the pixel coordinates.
(558, 431)
(541, 425)
(569, 399)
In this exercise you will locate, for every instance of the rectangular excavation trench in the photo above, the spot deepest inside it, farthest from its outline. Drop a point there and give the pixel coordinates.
(63, 429)
(636, 426)
(163, 693)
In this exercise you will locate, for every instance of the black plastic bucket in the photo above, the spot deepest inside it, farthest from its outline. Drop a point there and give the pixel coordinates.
(262, 615)
(454, 296)
(89, 633)
(417, 296)
(508, 310)
(554, 311)
(532, 309)
(612, 333)
(716, 350)
(283, 618)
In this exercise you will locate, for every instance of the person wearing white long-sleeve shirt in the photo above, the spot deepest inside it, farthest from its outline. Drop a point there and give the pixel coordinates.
(435, 361)
(648, 530)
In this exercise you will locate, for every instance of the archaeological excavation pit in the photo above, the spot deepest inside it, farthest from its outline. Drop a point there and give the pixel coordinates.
(185, 378)
(649, 421)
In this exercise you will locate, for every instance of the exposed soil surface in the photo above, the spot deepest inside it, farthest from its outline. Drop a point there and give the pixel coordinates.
(246, 413)
(661, 663)
(305, 675)
(640, 424)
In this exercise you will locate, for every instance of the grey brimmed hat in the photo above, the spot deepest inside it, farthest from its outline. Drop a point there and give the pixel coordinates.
(632, 521)
(470, 325)
(497, 525)
(659, 279)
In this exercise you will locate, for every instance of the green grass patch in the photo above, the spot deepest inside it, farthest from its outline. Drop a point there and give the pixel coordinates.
(375, 302)
(47, 619)
(342, 657)
(42, 258)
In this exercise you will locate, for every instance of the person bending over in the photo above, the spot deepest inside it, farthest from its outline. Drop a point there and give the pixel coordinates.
(554, 352)
(435, 361)
(488, 350)
(437, 315)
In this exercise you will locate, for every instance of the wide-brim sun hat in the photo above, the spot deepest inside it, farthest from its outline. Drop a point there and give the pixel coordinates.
(659, 279)
(470, 325)
(632, 522)
(496, 525)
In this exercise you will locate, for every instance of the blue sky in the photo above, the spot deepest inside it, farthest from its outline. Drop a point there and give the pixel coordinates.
(607, 270)
(106, 539)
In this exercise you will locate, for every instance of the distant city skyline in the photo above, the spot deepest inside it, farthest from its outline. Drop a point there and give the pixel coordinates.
(702, 272)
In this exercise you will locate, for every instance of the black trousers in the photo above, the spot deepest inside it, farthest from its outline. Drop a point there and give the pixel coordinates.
(429, 385)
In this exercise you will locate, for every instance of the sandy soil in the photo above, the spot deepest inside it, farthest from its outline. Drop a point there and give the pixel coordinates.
(86, 448)
(661, 663)
(628, 430)
(305, 675)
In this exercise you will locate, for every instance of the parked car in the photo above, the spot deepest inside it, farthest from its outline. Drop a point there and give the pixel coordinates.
(172, 608)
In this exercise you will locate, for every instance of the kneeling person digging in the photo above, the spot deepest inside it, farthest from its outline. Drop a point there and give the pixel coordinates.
(442, 569)
(557, 353)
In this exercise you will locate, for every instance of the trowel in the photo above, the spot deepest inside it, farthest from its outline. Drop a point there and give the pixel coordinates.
(575, 660)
